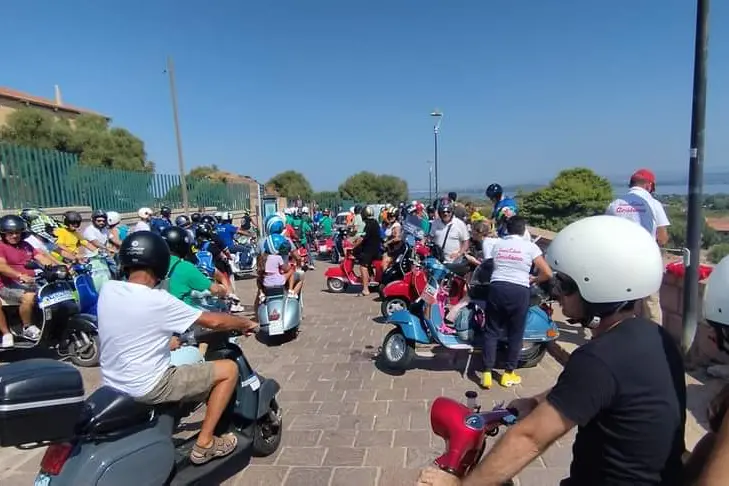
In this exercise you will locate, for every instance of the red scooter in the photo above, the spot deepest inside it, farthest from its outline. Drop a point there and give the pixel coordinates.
(399, 294)
(465, 429)
(339, 278)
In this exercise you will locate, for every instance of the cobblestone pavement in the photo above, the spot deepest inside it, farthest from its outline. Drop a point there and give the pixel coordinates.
(346, 422)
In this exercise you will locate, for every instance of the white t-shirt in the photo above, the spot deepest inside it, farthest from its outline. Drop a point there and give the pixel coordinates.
(36, 243)
(458, 234)
(141, 226)
(391, 228)
(92, 233)
(640, 206)
(135, 339)
(487, 247)
(513, 257)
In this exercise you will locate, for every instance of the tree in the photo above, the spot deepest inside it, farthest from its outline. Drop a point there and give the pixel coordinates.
(89, 137)
(572, 195)
(718, 252)
(677, 230)
(372, 188)
(203, 172)
(292, 185)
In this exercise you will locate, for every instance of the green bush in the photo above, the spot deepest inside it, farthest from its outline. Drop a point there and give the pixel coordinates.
(717, 252)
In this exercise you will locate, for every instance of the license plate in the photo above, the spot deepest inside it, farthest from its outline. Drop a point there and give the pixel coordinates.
(42, 480)
(276, 328)
(322, 249)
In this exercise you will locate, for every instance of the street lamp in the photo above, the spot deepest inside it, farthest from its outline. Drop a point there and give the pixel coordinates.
(180, 159)
(438, 115)
(695, 219)
(430, 181)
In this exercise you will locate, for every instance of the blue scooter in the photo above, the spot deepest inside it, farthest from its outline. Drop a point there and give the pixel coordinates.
(421, 324)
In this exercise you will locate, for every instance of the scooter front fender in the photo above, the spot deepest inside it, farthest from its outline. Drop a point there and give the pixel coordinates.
(335, 272)
(539, 326)
(83, 322)
(397, 288)
(410, 326)
(268, 391)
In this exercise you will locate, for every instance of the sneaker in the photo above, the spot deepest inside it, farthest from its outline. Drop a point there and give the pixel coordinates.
(293, 295)
(237, 308)
(8, 341)
(32, 332)
(486, 380)
(509, 379)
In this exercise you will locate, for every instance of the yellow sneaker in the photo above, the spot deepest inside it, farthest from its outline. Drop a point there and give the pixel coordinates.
(486, 380)
(510, 379)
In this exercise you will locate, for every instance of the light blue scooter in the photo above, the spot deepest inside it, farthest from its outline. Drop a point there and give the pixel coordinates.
(280, 315)
(413, 327)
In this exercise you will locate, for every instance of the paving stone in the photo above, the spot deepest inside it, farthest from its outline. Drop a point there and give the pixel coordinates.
(301, 456)
(308, 476)
(354, 476)
(314, 422)
(255, 475)
(410, 438)
(374, 438)
(344, 456)
(398, 477)
(301, 438)
(392, 457)
(338, 438)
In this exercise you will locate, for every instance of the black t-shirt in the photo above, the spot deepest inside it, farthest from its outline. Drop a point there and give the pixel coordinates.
(371, 240)
(626, 391)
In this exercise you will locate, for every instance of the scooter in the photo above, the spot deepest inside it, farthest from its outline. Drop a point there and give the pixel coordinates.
(339, 278)
(325, 246)
(86, 292)
(73, 334)
(280, 315)
(341, 244)
(111, 439)
(465, 429)
(404, 262)
(398, 295)
(421, 324)
(245, 260)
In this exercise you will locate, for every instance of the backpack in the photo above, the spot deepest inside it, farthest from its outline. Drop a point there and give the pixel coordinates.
(205, 259)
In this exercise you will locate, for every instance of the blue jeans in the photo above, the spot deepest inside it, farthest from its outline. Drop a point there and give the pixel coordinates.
(506, 310)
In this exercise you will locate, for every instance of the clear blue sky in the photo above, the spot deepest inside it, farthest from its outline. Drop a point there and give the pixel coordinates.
(330, 87)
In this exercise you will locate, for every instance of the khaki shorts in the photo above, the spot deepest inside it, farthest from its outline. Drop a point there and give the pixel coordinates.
(188, 383)
(13, 295)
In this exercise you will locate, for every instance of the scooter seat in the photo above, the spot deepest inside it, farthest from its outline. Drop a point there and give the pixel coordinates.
(460, 269)
(274, 291)
(111, 410)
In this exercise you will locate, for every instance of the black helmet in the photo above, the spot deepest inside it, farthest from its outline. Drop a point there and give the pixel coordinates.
(367, 212)
(182, 221)
(72, 218)
(357, 209)
(204, 230)
(98, 213)
(165, 211)
(445, 206)
(494, 191)
(207, 219)
(195, 217)
(178, 240)
(145, 249)
(11, 223)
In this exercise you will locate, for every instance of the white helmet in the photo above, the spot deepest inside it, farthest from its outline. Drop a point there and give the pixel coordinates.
(351, 210)
(287, 211)
(113, 218)
(716, 294)
(145, 213)
(305, 210)
(610, 259)
(226, 216)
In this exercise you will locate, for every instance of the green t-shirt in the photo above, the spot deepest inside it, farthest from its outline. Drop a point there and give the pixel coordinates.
(425, 225)
(326, 226)
(185, 278)
(305, 229)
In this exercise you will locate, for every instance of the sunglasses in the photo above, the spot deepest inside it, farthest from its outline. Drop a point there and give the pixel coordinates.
(13, 233)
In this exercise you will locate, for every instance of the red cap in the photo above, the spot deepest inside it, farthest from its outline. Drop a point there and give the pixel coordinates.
(643, 175)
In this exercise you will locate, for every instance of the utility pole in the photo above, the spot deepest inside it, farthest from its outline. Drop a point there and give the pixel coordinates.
(430, 182)
(438, 115)
(180, 157)
(696, 175)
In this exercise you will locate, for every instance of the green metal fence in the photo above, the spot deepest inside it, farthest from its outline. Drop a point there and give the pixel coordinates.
(32, 177)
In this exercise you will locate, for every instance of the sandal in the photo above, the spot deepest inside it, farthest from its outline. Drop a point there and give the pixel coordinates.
(221, 447)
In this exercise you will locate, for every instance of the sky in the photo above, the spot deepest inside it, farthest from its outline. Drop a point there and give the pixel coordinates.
(332, 87)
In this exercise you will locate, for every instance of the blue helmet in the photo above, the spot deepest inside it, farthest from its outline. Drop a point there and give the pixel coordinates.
(274, 244)
(275, 224)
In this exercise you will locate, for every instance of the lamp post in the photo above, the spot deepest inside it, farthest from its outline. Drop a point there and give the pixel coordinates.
(430, 181)
(694, 220)
(438, 115)
(180, 159)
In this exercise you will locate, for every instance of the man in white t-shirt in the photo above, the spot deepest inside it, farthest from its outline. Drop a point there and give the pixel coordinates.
(509, 297)
(136, 341)
(97, 233)
(639, 206)
(449, 233)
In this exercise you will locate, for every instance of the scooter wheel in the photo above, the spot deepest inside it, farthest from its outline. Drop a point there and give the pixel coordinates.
(391, 305)
(267, 432)
(397, 351)
(336, 286)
